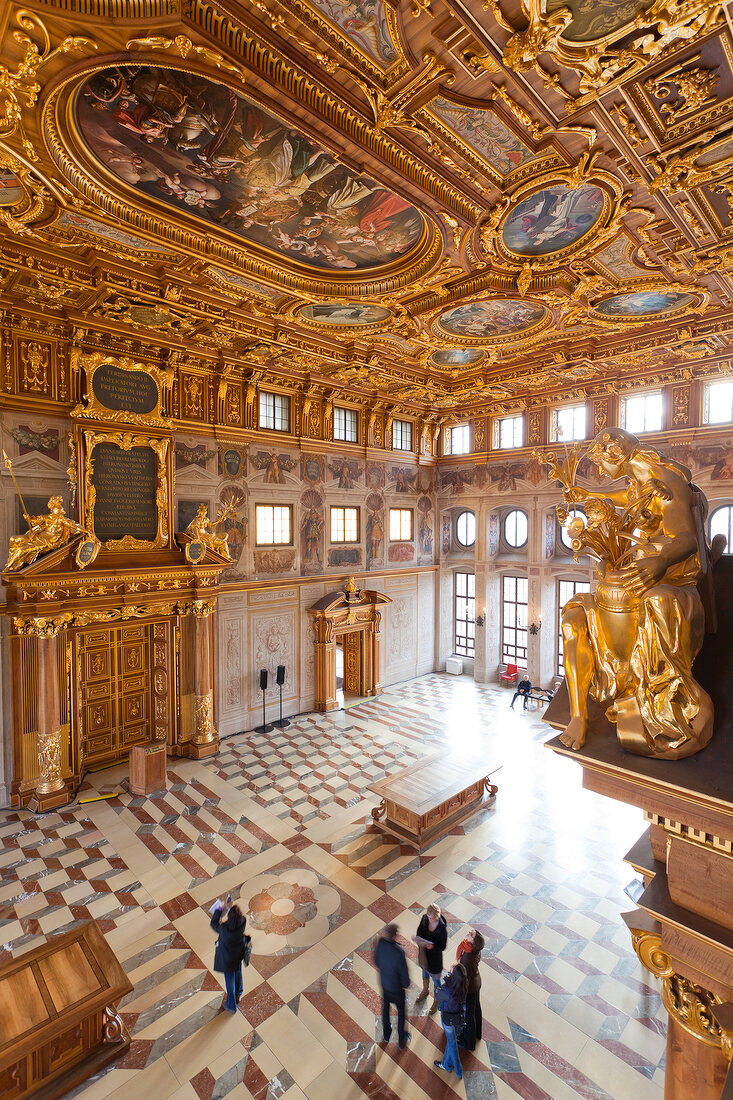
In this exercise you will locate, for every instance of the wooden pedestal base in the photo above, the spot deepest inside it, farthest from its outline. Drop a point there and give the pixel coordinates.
(424, 802)
(148, 768)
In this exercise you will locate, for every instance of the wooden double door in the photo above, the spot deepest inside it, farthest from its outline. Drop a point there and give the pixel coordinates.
(351, 643)
(124, 688)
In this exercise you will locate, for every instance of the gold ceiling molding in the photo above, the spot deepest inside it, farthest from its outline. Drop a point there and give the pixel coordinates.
(35, 203)
(604, 61)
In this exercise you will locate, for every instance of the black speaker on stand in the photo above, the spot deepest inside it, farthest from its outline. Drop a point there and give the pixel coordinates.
(280, 680)
(265, 727)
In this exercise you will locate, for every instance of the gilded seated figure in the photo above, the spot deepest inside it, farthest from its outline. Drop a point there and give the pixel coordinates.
(202, 529)
(631, 643)
(46, 533)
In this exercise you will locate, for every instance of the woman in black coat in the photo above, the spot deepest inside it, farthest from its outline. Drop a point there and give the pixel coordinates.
(230, 950)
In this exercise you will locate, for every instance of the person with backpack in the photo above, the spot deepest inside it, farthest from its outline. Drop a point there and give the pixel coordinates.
(469, 955)
(451, 995)
(233, 948)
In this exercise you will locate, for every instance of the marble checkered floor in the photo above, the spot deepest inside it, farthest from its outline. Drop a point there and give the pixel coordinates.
(282, 822)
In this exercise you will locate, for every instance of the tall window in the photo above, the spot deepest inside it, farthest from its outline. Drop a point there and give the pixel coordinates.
(460, 439)
(465, 614)
(718, 403)
(509, 432)
(721, 523)
(275, 411)
(466, 529)
(565, 591)
(400, 524)
(515, 528)
(567, 423)
(514, 621)
(344, 525)
(273, 524)
(642, 412)
(345, 424)
(401, 435)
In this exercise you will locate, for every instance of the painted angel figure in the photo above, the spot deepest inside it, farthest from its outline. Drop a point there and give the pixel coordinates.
(274, 465)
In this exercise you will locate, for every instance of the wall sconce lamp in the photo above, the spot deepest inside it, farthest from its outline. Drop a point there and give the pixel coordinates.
(534, 628)
(481, 619)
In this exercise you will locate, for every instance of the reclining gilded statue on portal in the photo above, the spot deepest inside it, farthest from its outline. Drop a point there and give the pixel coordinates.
(631, 643)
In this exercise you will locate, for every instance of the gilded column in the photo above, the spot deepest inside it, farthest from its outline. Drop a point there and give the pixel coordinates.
(325, 665)
(698, 1047)
(50, 787)
(205, 735)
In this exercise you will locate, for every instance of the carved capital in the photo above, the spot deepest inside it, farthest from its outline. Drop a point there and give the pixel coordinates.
(41, 627)
(691, 1005)
(198, 608)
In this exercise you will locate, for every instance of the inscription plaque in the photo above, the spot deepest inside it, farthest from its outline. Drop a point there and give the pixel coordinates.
(125, 484)
(125, 390)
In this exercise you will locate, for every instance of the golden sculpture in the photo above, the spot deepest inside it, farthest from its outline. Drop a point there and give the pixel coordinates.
(202, 529)
(49, 532)
(632, 642)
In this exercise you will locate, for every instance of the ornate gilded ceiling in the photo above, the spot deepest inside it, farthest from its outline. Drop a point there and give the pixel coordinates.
(431, 204)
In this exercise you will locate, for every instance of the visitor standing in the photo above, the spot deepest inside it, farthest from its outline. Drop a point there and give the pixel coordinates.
(391, 962)
(431, 939)
(451, 994)
(470, 957)
(231, 949)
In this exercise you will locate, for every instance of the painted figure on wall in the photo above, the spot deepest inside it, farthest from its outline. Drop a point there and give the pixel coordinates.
(374, 536)
(403, 478)
(274, 465)
(207, 150)
(346, 471)
(312, 525)
(425, 534)
(233, 501)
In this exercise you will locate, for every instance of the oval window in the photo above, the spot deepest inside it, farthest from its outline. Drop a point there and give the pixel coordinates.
(515, 528)
(466, 529)
(573, 513)
(721, 523)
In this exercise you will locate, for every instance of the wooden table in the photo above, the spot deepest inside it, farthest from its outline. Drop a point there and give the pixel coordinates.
(424, 802)
(58, 1024)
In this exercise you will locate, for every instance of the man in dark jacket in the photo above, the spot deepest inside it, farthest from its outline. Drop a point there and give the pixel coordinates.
(389, 958)
(524, 687)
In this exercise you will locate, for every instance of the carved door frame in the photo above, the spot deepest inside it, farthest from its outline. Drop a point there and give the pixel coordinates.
(347, 612)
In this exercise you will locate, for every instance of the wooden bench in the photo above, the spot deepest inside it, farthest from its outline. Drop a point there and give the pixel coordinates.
(426, 800)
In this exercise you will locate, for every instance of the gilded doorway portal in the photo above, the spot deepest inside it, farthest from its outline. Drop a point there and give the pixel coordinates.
(349, 619)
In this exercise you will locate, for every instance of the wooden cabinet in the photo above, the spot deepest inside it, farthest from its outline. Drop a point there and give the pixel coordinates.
(57, 1007)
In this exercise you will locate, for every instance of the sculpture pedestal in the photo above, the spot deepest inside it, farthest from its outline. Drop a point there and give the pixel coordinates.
(683, 928)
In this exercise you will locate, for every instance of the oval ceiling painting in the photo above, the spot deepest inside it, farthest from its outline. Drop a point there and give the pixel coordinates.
(553, 219)
(344, 313)
(644, 303)
(203, 148)
(493, 318)
(11, 191)
(456, 357)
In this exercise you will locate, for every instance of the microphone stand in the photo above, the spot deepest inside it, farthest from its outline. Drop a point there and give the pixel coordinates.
(282, 723)
(265, 727)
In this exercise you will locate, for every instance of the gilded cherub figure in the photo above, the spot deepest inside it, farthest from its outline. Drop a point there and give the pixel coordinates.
(46, 533)
(631, 644)
(202, 529)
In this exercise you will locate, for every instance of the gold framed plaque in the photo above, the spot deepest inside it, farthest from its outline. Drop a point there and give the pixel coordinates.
(121, 390)
(126, 494)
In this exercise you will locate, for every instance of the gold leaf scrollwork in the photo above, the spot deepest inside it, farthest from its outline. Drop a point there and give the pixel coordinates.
(20, 89)
(184, 46)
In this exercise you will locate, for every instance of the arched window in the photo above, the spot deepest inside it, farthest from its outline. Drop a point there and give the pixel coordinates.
(564, 537)
(515, 528)
(466, 529)
(721, 523)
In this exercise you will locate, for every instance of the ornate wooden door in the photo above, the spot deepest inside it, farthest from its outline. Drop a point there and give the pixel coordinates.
(352, 662)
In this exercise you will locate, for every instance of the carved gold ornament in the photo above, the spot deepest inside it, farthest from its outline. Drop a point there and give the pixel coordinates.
(202, 529)
(20, 89)
(48, 532)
